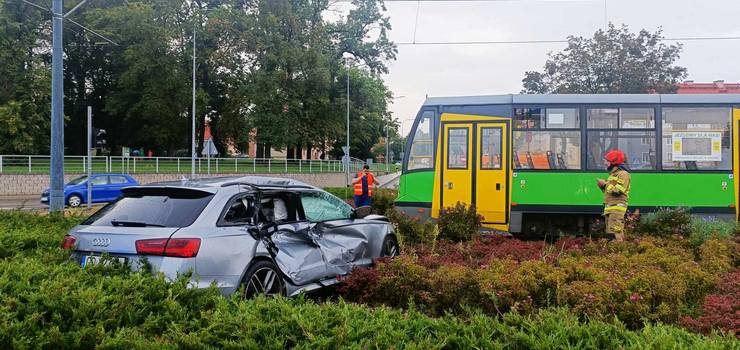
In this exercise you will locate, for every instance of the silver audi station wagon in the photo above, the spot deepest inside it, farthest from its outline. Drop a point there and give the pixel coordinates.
(261, 234)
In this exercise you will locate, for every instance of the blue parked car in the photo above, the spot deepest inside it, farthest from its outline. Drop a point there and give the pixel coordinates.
(105, 188)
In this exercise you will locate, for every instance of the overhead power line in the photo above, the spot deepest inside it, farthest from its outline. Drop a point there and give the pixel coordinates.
(557, 41)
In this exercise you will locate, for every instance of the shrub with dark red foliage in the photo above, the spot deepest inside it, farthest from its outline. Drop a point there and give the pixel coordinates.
(480, 250)
(646, 280)
(720, 310)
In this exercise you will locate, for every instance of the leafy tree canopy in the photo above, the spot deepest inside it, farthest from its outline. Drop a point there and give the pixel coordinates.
(613, 61)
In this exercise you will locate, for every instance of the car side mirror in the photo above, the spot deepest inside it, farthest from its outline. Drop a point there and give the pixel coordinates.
(362, 211)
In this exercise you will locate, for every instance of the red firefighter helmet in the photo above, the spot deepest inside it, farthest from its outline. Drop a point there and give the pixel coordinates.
(615, 157)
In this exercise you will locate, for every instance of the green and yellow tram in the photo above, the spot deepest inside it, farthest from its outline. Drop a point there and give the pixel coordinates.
(522, 158)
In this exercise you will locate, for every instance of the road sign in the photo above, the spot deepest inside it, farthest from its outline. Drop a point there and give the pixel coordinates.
(345, 149)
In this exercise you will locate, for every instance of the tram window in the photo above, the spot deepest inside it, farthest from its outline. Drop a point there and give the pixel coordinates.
(457, 148)
(603, 118)
(490, 148)
(624, 118)
(697, 138)
(422, 146)
(549, 118)
(528, 118)
(547, 149)
(562, 118)
(634, 144)
(636, 118)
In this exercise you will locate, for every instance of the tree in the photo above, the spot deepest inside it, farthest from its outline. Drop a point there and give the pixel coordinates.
(25, 95)
(613, 61)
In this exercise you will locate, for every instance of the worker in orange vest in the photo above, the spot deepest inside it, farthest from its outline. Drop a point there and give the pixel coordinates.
(363, 184)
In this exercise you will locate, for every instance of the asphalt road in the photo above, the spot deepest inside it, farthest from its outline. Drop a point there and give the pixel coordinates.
(21, 202)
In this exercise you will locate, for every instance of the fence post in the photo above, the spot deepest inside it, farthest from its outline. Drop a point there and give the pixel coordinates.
(178, 165)
(286, 165)
(134, 165)
(299, 165)
(310, 165)
(198, 165)
(236, 165)
(217, 172)
(269, 165)
(156, 164)
(254, 165)
(84, 164)
(1, 164)
(29, 164)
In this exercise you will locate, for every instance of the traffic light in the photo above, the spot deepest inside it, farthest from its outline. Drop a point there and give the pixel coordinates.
(99, 138)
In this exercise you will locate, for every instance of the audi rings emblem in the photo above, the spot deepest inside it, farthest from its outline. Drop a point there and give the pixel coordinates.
(101, 242)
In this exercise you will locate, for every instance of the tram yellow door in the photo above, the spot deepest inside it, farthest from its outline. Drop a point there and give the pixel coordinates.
(736, 159)
(492, 173)
(457, 170)
(475, 167)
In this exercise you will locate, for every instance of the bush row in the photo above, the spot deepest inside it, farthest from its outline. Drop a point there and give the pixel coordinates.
(47, 302)
(62, 306)
(641, 281)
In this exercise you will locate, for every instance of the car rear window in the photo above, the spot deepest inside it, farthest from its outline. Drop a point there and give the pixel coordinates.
(165, 207)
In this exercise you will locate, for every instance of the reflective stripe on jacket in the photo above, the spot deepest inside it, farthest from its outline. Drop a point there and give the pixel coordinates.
(617, 190)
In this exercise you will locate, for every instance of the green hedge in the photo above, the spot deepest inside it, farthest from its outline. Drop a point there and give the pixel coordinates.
(47, 302)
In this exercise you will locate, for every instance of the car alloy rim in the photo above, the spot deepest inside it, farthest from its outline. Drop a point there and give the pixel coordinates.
(265, 281)
(74, 201)
(391, 248)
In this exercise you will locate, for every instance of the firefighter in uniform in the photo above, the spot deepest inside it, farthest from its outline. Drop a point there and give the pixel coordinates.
(616, 190)
(363, 187)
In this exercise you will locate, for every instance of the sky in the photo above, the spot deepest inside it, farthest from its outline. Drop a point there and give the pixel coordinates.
(459, 70)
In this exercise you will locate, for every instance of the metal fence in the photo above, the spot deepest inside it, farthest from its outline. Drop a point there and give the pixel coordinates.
(25, 164)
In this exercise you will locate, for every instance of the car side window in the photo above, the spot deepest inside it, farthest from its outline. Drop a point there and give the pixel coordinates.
(240, 211)
(279, 208)
(322, 206)
(117, 180)
(99, 180)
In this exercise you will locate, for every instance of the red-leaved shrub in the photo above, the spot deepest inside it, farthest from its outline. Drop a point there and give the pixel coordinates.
(720, 310)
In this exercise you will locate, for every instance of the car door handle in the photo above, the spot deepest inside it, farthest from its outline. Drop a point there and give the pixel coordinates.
(449, 185)
(498, 187)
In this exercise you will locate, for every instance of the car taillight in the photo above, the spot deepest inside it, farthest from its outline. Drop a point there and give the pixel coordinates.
(175, 247)
(68, 242)
(183, 247)
(151, 246)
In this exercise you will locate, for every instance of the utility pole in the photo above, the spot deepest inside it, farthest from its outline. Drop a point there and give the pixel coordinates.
(192, 140)
(346, 60)
(89, 156)
(56, 193)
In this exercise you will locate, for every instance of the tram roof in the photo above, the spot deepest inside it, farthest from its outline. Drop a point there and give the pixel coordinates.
(531, 99)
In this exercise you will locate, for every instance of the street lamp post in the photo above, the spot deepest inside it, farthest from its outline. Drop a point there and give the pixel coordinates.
(346, 167)
(56, 192)
(192, 136)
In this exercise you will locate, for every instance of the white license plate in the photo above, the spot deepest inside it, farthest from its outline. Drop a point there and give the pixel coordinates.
(95, 260)
(44, 199)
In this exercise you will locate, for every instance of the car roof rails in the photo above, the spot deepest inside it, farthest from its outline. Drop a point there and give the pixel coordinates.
(263, 186)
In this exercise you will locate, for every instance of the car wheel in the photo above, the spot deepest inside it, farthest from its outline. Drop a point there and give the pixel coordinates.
(74, 201)
(390, 247)
(263, 278)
